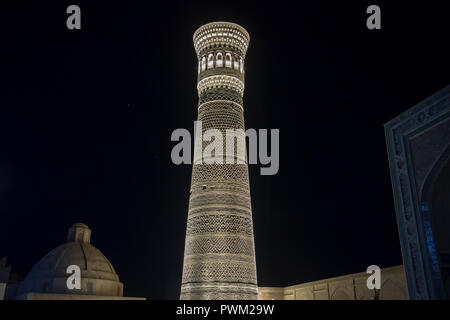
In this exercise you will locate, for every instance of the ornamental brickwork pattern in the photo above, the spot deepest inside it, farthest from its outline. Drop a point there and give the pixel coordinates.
(219, 256)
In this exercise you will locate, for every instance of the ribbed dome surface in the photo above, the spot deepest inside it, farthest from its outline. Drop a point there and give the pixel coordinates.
(85, 255)
(49, 275)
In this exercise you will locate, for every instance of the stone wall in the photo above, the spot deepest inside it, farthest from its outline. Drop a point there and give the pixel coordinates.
(348, 287)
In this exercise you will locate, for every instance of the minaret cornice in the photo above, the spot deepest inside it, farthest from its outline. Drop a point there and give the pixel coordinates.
(221, 36)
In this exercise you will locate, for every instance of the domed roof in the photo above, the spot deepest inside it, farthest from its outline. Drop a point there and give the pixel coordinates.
(49, 275)
(80, 224)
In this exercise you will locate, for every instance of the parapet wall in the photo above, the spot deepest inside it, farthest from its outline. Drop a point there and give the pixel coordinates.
(348, 287)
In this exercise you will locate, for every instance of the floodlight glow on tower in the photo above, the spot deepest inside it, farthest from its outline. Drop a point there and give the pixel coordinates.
(219, 256)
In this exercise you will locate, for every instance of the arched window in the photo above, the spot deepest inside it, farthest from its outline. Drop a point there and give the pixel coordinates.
(228, 60)
(203, 64)
(219, 59)
(210, 61)
(236, 63)
(242, 65)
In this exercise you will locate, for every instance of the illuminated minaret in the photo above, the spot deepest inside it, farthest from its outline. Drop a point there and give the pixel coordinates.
(219, 256)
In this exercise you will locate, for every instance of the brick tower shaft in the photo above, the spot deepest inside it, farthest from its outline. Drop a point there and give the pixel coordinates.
(219, 256)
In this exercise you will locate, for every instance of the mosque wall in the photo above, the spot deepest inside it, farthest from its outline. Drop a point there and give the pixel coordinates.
(347, 287)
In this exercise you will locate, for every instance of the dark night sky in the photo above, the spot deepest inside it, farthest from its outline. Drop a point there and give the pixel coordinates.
(86, 118)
